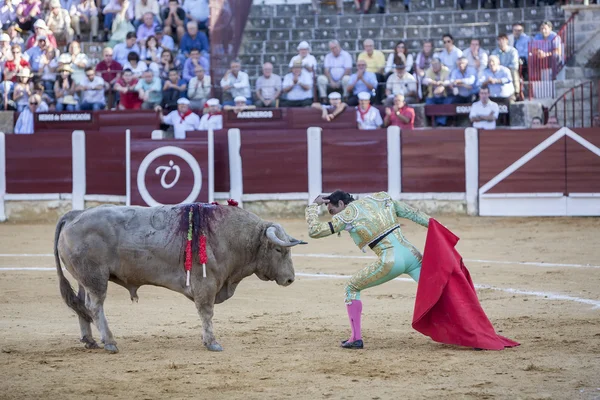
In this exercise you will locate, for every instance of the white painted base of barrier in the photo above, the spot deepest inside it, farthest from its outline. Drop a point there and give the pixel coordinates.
(539, 204)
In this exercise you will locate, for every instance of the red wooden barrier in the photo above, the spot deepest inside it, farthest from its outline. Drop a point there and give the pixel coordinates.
(105, 163)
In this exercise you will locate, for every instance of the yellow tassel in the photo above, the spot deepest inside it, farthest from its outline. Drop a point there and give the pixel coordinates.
(187, 281)
(204, 270)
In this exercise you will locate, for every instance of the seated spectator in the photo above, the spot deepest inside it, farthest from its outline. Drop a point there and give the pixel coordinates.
(552, 122)
(167, 63)
(84, 11)
(47, 74)
(14, 35)
(165, 42)
(297, 87)
(239, 105)
(309, 62)
(395, 58)
(437, 79)
(39, 56)
(337, 68)
(151, 51)
(183, 119)
(79, 61)
(463, 82)
(22, 89)
(6, 92)
(536, 123)
(198, 89)
(17, 64)
(509, 58)
(25, 121)
(129, 95)
(362, 81)
(173, 18)
(520, 41)
(122, 50)
(8, 13)
(59, 22)
(235, 83)
(173, 89)
(121, 25)
(499, 81)
(133, 63)
(400, 114)
(150, 90)
(401, 82)
(194, 60)
(423, 61)
(46, 101)
(213, 119)
(334, 109)
(146, 28)
(5, 53)
(367, 117)
(28, 11)
(65, 90)
(268, 87)
(375, 64)
(92, 91)
(143, 7)
(110, 71)
(476, 56)
(197, 11)
(484, 112)
(596, 121)
(450, 53)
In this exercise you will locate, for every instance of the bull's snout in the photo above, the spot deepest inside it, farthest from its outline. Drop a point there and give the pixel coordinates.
(286, 281)
(289, 282)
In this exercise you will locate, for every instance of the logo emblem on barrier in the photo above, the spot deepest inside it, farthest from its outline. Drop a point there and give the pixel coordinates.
(174, 151)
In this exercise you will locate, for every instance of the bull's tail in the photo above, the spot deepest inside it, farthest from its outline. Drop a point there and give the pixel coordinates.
(66, 291)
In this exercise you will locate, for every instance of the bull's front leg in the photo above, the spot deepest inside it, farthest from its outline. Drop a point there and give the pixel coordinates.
(205, 306)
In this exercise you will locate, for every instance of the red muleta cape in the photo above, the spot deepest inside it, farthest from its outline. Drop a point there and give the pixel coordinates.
(447, 308)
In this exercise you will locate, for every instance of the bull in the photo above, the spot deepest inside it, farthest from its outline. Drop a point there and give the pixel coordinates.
(135, 246)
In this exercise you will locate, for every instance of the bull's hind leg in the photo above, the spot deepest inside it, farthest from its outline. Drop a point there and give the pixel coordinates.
(86, 326)
(96, 306)
(205, 306)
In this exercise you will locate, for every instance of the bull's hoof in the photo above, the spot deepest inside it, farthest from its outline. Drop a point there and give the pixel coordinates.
(92, 346)
(214, 347)
(111, 348)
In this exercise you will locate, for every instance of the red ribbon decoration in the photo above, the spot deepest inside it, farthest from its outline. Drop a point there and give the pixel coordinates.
(232, 202)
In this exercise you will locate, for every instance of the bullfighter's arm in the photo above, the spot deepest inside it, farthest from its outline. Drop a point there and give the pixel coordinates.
(403, 210)
(318, 229)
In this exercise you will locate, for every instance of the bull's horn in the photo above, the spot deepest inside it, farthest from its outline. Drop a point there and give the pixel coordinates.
(272, 235)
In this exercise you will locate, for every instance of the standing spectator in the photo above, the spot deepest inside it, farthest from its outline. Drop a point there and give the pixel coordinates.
(367, 117)
(484, 112)
(213, 118)
(182, 119)
(463, 81)
(334, 109)
(22, 89)
(298, 87)
(173, 89)
(59, 22)
(362, 81)
(235, 83)
(509, 58)
(146, 6)
(198, 89)
(41, 29)
(92, 91)
(450, 53)
(150, 90)
(499, 82)
(126, 87)
(110, 71)
(79, 61)
(64, 90)
(400, 114)
(14, 66)
(197, 10)
(268, 87)
(476, 56)
(146, 28)
(194, 60)
(86, 11)
(27, 13)
(24, 123)
(401, 82)
(165, 42)
(520, 41)
(309, 62)
(547, 46)
(122, 50)
(375, 63)
(395, 58)
(437, 79)
(173, 18)
(336, 69)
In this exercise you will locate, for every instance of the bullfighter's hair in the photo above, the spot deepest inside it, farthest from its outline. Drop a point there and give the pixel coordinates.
(203, 217)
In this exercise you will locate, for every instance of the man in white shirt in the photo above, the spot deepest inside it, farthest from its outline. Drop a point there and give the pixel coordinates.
(367, 116)
(337, 69)
(213, 118)
(484, 112)
(298, 87)
(400, 82)
(198, 89)
(235, 83)
(24, 123)
(92, 87)
(309, 62)
(182, 119)
(450, 53)
(476, 56)
(268, 87)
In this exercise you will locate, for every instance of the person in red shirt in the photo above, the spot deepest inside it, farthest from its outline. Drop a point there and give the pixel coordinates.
(110, 71)
(12, 67)
(400, 115)
(125, 86)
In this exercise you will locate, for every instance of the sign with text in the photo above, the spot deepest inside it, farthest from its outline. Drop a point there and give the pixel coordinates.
(171, 171)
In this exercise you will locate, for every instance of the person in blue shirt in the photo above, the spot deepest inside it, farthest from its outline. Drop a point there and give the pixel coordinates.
(499, 80)
(463, 81)
(547, 47)
(361, 81)
(520, 41)
(194, 60)
(193, 39)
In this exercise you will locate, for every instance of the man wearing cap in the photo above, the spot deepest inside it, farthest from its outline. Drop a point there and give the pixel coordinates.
(337, 68)
(5, 51)
(400, 82)
(235, 83)
(362, 81)
(59, 22)
(213, 118)
(297, 87)
(268, 87)
(367, 117)
(240, 105)
(400, 114)
(40, 28)
(308, 61)
(334, 109)
(182, 119)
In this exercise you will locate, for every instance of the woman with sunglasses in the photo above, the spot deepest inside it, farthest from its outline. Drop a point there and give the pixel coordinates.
(24, 124)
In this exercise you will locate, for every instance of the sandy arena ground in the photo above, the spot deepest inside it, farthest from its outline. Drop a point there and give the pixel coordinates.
(283, 342)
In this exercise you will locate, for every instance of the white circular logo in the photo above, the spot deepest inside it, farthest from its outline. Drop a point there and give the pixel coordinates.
(162, 151)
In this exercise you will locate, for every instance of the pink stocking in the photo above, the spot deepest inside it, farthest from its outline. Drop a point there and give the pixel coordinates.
(354, 311)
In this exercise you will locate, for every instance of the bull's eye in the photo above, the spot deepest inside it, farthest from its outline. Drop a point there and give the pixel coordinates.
(277, 249)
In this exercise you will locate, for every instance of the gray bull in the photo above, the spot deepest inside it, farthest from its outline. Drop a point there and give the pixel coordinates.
(135, 246)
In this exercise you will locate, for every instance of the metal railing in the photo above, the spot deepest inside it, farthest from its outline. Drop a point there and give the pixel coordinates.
(571, 106)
